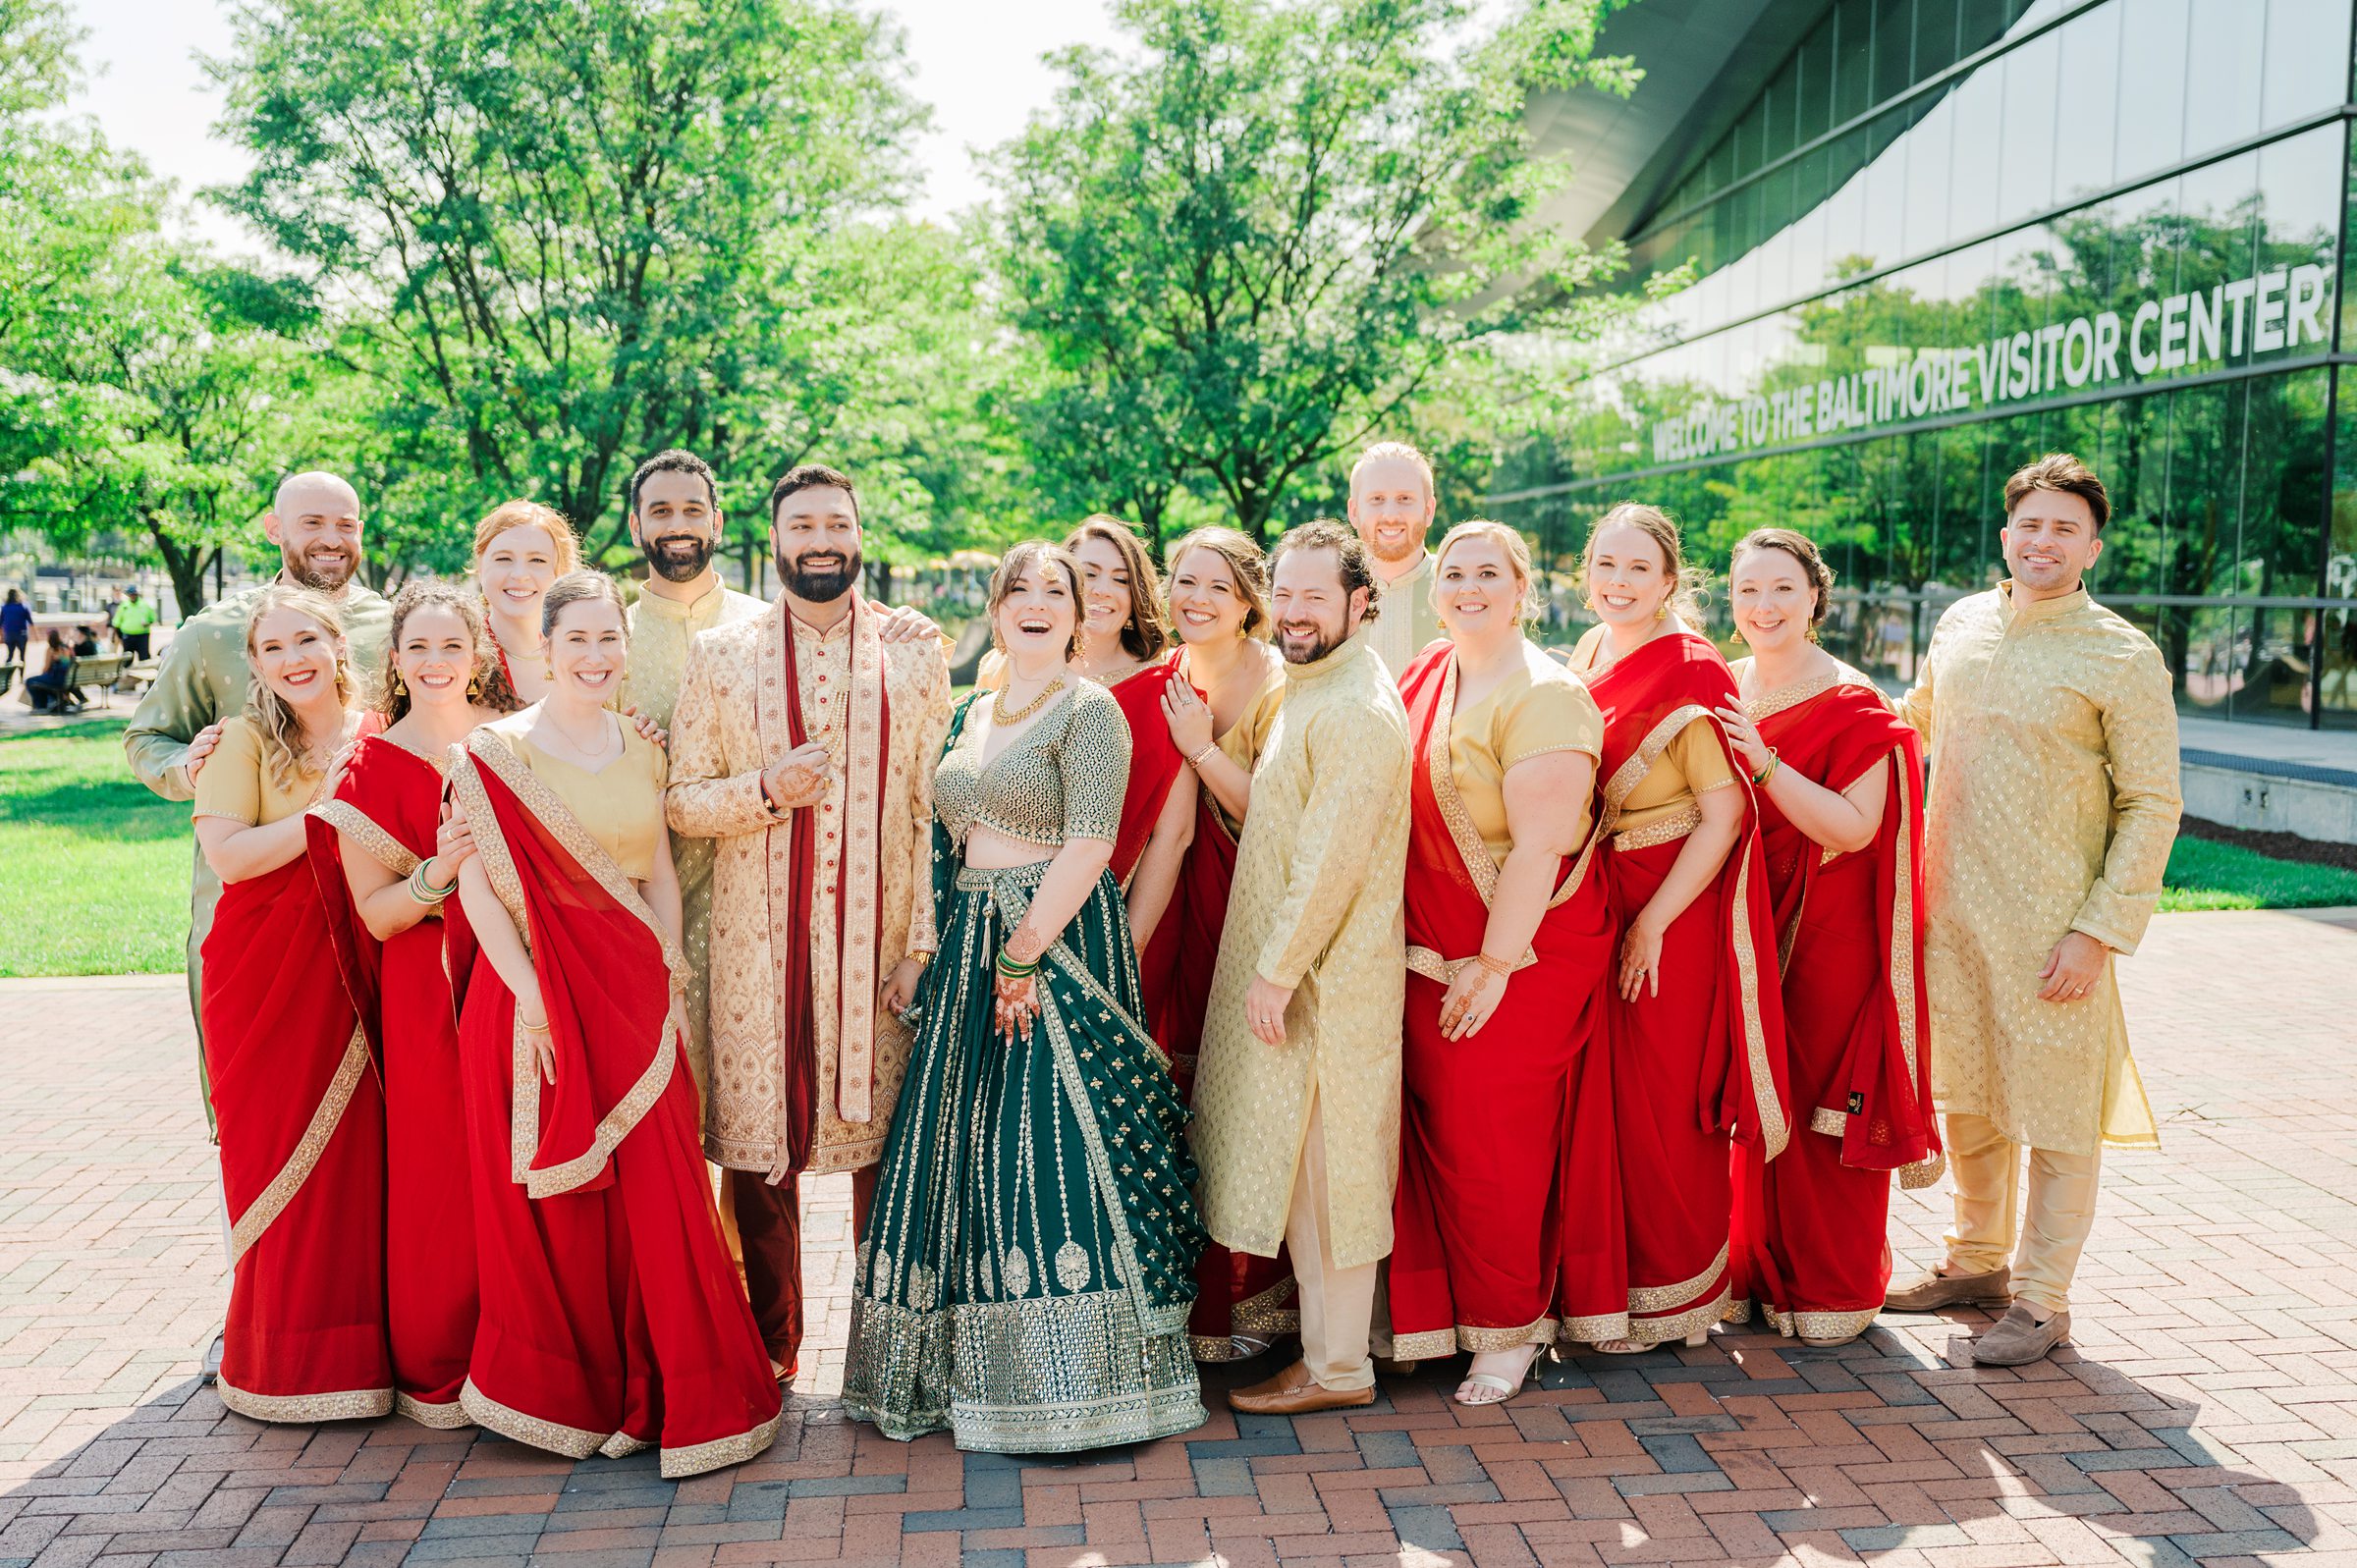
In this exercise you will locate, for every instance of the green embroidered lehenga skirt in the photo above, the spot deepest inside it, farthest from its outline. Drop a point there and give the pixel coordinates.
(1029, 1262)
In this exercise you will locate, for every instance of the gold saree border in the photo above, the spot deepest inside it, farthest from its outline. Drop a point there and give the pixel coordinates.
(447, 1416)
(303, 1410)
(1807, 1324)
(1658, 1298)
(1432, 1344)
(1775, 1130)
(302, 1160)
(1634, 769)
(523, 1122)
(357, 825)
(1667, 830)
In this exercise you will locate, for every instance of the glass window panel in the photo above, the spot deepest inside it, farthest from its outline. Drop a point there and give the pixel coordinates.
(1981, 23)
(1972, 191)
(2339, 681)
(2224, 47)
(1934, 38)
(2216, 208)
(1845, 208)
(1928, 173)
(1814, 105)
(2151, 76)
(1746, 141)
(2307, 58)
(2299, 195)
(1854, 59)
(1882, 238)
(2026, 164)
(2087, 104)
(1893, 41)
(1778, 99)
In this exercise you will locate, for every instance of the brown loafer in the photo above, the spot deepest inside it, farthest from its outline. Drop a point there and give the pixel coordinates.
(1933, 1290)
(1294, 1392)
(2018, 1338)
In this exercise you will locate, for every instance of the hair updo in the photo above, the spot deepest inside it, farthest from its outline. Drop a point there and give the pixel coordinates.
(1686, 582)
(1802, 548)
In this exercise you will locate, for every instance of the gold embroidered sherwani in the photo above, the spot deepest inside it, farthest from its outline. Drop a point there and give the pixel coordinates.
(661, 632)
(731, 725)
(2053, 803)
(1315, 904)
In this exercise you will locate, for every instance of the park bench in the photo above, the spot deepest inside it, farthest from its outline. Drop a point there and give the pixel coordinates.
(7, 678)
(101, 670)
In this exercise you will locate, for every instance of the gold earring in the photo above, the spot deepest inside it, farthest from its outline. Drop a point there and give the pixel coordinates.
(1663, 613)
(400, 687)
(474, 687)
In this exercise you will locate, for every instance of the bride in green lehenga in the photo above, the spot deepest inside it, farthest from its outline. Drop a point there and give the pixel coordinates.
(1027, 1270)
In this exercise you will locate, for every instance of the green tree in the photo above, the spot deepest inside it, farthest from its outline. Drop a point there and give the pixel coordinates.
(1260, 239)
(570, 232)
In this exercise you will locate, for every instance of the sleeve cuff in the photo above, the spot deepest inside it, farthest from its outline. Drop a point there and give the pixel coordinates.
(2117, 920)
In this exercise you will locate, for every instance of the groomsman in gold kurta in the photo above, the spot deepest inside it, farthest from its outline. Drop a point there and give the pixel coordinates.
(2054, 802)
(804, 746)
(1297, 1087)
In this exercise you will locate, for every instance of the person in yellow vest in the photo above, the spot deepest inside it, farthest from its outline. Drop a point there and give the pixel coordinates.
(135, 622)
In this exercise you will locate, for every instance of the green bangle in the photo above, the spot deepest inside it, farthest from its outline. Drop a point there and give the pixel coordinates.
(1015, 968)
(425, 892)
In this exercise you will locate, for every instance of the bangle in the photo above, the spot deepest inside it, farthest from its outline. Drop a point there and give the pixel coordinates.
(1013, 968)
(1775, 760)
(1500, 967)
(539, 1028)
(425, 892)
(1205, 750)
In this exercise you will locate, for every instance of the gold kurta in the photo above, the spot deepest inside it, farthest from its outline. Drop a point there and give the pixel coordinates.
(731, 726)
(1315, 905)
(661, 632)
(2053, 803)
(1408, 624)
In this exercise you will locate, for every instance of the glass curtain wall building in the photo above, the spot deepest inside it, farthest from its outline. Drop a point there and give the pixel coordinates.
(1948, 236)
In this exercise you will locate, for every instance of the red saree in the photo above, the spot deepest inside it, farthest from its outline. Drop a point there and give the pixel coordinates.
(1501, 1213)
(611, 1316)
(1236, 1292)
(1703, 1061)
(389, 807)
(1810, 1244)
(303, 1155)
(1154, 762)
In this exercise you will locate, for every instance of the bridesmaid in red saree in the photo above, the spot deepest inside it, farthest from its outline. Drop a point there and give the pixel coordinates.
(1219, 704)
(1839, 783)
(385, 861)
(1510, 946)
(1695, 1022)
(287, 1063)
(611, 1317)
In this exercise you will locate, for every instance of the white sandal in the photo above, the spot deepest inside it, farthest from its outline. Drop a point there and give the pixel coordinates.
(1497, 1388)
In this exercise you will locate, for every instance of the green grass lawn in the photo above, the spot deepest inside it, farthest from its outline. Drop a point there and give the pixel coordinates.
(96, 869)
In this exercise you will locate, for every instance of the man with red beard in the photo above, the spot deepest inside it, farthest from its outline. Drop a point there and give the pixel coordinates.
(803, 744)
(201, 680)
(1391, 505)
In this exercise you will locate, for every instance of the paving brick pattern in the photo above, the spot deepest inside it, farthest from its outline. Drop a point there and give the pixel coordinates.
(2208, 1413)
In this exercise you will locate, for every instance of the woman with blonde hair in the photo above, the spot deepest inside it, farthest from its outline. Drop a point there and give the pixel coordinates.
(1839, 780)
(521, 548)
(1218, 706)
(301, 1118)
(611, 1319)
(1509, 937)
(386, 862)
(1694, 1020)
(1027, 1270)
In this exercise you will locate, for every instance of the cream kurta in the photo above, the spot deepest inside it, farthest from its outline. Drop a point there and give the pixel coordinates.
(731, 726)
(1315, 904)
(1408, 624)
(661, 632)
(2053, 803)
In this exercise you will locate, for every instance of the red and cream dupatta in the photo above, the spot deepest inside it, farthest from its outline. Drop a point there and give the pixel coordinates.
(606, 968)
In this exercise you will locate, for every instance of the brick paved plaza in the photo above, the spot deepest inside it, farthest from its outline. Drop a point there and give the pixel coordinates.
(2209, 1411)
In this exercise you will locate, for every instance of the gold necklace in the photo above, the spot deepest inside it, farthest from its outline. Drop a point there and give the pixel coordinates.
(998, 709)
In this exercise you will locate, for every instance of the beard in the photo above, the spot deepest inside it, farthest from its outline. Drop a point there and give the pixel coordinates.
(1324, 640)
(320, 578)
(824, 586)
(1407, 549)
(664, 559)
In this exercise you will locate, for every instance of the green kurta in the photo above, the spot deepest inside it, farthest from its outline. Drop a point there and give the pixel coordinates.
(200, 679)
(1408, 624)
(1315, 905)
(661, 632)
(2053, 803)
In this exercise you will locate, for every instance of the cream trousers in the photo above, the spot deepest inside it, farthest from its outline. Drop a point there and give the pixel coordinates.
(1338, 1305)
(1985, 1167)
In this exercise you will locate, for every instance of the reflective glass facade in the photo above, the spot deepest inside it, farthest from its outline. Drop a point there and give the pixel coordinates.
(1951, 235)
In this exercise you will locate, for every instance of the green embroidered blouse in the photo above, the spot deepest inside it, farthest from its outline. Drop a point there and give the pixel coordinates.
(1062, 779)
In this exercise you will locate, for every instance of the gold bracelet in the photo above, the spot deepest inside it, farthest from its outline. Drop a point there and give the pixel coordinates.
(1774, 760)
(1208, 747)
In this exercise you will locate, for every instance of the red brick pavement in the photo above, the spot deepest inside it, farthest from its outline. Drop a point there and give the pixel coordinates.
(2208, 1412)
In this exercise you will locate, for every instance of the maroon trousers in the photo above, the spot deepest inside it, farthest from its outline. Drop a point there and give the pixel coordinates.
(769, 1228)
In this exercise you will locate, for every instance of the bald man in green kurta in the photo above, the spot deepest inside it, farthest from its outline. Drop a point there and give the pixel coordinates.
(315, 522)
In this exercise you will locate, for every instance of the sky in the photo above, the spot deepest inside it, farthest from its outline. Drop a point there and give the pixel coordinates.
(978, 65)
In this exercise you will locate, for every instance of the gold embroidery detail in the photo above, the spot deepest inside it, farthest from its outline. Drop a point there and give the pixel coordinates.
(1826, 1119)
(578, 1442)
(1668, 830)
(445, 1417)
(1477, 1340)
(1593, 1329)
(680, 1463)
(356, 825)
(351, 1404)
(301, 1160)
(1471, 848)
(1769, 706)
(1925, 1172)
(1661, 1298)
(1430, 1345)
(1631, 773)
(1775, 1131)
(1272, 1312)
(1661, 1330)
(1819, 1325)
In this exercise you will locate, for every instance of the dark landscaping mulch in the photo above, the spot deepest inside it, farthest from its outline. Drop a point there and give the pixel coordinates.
(2280, 845)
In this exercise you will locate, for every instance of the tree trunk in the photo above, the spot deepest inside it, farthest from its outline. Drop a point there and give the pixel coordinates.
(186, 565)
